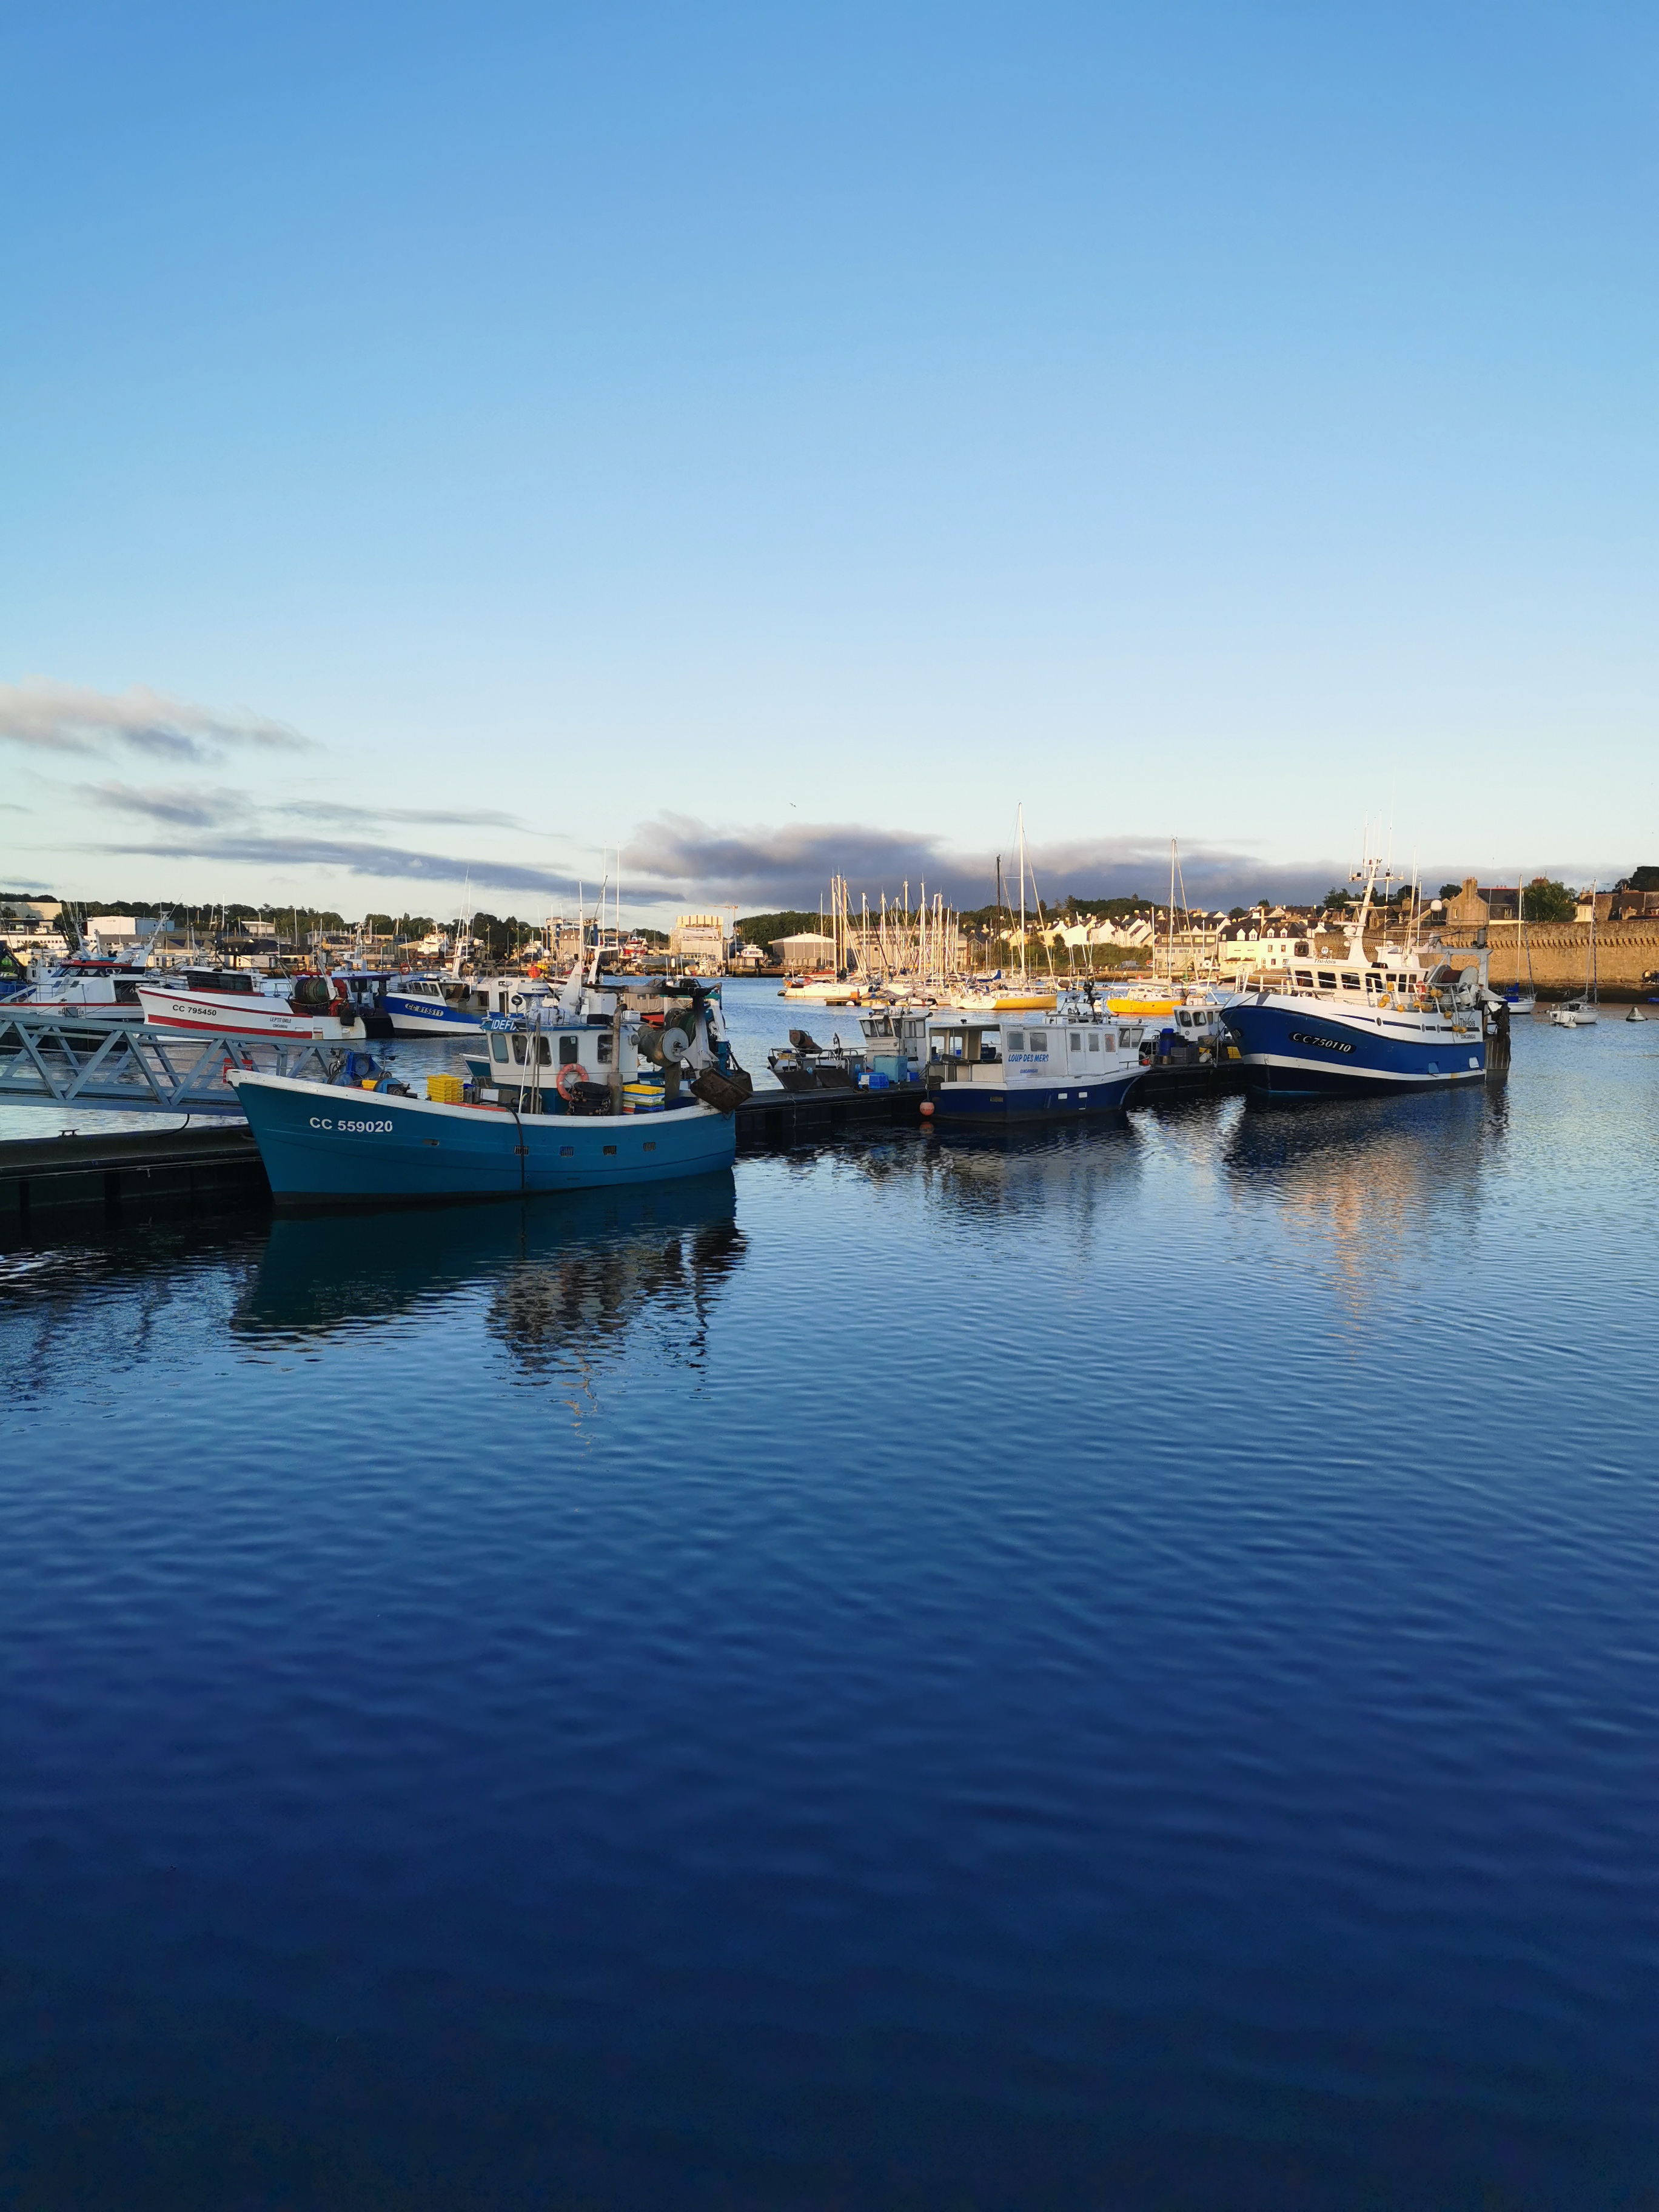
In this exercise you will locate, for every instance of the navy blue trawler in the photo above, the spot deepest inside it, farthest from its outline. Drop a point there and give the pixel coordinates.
(1019, 1063)
(1357, 1025)
(636, 1089)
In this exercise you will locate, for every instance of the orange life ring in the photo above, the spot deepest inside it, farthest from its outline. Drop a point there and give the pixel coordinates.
(572, 1073)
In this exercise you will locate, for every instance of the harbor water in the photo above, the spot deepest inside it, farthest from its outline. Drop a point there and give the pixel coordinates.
(1111, 1668)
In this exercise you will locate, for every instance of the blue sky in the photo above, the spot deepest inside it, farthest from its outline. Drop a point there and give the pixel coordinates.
(769, 438)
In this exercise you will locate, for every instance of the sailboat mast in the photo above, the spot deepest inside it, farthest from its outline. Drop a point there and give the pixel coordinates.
(1169, 977)
(1022, 894)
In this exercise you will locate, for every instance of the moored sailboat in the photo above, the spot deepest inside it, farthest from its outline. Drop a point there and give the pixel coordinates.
(1580, 1014)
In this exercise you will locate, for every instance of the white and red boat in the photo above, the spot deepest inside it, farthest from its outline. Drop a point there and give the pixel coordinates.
(237, 1003)
(105, 988)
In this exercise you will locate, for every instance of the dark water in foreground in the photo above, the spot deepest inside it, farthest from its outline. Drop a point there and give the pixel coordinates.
(1115, 1671)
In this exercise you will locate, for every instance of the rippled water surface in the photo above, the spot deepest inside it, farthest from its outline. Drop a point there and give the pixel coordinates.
(1119, 1669)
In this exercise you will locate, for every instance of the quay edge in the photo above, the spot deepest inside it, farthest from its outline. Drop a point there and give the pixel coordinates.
(114, 1174)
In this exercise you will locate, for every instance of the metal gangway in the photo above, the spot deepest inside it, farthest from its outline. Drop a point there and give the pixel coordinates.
(99, 1059)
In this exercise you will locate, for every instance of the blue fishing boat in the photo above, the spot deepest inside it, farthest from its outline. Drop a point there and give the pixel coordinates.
(418, 1007)
(321, 1141)
(443, 1005)
(1358, 1024)
(652, 1097)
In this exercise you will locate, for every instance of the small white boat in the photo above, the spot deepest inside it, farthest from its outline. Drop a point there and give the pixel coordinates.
(1019, 1067)
(824, 990)
(1580, 1014)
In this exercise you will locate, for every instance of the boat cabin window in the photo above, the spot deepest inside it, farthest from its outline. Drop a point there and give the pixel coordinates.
(1305, 977)
(602, 1050)
(1327, 979)
(1016, 1040)
(1350, 982)
(519, 1042)
(1094, 1040)
(569, 1050)
(1077, 1040)
(497, 1045)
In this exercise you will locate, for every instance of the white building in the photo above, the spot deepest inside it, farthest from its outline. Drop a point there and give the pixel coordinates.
(699, 939)
(31, 926)
(1259, 940)
(800, 954)
(106, 934)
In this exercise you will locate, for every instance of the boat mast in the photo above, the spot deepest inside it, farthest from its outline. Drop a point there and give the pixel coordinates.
(1590, 975)
(1022, 894)
(1169, 974)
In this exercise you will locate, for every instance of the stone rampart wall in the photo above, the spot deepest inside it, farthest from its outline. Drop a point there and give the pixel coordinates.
(1624, 952)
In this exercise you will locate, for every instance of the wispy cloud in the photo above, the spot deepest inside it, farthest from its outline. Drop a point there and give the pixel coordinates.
(67, 718)
(436, 817)
(183, 806)
(193, 806)
(364, 858)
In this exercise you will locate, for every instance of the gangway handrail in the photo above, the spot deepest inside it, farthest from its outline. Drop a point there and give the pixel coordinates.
(93, 1059)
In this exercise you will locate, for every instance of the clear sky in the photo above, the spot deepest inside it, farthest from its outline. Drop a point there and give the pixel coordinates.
(769, 438)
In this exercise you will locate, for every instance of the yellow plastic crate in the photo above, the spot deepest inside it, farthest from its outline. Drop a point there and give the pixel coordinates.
(446, 1090)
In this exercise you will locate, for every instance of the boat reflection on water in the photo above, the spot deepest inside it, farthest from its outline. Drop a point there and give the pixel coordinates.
(563, 1281)
(1362, 1177)
(1071, 1174)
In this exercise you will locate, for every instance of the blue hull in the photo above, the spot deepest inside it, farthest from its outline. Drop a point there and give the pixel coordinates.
(1301, 1050)
(429, 1017)
(961, 1102)
(320, 1141)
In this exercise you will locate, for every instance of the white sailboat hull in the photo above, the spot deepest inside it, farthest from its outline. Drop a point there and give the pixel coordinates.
(824, 995)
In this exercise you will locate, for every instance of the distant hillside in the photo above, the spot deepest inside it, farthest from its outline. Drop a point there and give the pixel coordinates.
(767, 928)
